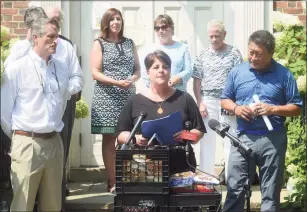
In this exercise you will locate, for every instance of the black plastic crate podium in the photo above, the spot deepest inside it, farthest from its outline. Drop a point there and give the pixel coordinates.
(195, 202)
(141, 202)
(141, 170)
(142, 176)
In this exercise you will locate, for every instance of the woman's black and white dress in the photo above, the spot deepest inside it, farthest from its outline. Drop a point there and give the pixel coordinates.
(108, 100)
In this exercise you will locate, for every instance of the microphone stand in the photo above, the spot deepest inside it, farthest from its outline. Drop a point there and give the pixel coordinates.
(188, 127)
(247, 185)
(222, 130)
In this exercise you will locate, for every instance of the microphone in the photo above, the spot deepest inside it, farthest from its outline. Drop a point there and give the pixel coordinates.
(141, 118)
(187, 135)
(188, 127)
(222, 130)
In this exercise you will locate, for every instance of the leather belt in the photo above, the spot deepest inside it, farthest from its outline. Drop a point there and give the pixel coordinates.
(37, 135)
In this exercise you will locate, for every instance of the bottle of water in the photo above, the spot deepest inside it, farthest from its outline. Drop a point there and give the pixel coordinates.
(3, 206)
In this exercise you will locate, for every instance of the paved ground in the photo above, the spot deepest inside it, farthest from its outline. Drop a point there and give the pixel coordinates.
(89, 196)
(92, 197)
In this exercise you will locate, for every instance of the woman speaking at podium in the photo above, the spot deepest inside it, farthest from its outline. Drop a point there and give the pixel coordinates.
(158, 101)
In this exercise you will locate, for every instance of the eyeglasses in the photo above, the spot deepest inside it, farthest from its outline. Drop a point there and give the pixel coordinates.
(52, 87)
(163, 27)
(56, 78)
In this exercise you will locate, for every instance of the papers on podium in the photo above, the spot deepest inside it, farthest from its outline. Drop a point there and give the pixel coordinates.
(164, 128)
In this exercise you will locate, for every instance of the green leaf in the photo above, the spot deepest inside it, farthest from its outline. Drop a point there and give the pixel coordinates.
(5, 43)
(289, 52)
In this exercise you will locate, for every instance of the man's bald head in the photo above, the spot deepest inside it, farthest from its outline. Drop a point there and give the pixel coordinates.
(55, 13)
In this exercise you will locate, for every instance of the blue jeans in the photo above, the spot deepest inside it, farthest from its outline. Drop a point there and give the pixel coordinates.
(269, 155)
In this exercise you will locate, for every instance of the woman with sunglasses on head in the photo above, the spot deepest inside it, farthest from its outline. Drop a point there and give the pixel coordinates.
(181, 70)
(115, 67)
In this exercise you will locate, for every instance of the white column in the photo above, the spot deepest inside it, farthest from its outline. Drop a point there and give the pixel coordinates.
(249, 16)
(65, 29)
(35, 3)
(57, 3)
(45, 4)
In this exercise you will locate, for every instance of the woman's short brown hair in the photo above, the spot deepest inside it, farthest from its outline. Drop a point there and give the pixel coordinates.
(105, 22)
(160, 55)
(165, 19)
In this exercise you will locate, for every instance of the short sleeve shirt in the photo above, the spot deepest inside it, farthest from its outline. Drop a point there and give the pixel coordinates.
(275, 86)
(212, 68)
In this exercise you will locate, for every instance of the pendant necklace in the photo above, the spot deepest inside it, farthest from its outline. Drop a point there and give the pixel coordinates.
(160, 110)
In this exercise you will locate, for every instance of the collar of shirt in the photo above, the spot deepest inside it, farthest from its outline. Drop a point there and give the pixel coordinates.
(37, 59)
(269, 69)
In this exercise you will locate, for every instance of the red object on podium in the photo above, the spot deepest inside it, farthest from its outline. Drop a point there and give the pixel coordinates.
(186, 135)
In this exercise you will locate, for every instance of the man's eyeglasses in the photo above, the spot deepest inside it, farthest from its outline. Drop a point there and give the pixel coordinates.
(163, 27)
(52, 88)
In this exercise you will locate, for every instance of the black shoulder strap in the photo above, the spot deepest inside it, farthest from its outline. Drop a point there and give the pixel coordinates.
(131, 41)
(65, 38)
(101, 45)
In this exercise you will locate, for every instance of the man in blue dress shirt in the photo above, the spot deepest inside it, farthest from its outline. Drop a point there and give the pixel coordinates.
(279, 98)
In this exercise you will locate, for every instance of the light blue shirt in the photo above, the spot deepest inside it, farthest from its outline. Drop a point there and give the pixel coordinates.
(181, 62)
(276, 86)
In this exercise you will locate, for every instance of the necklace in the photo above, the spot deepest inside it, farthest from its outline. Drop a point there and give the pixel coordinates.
(160, 110)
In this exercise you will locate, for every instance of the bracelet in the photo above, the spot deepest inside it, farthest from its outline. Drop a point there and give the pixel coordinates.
(234, 109)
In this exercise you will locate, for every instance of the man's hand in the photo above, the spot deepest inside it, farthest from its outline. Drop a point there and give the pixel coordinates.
(174, 80)
(202, 109)
(264, 109)
(124, 84)
(244, 112)
(140, 140)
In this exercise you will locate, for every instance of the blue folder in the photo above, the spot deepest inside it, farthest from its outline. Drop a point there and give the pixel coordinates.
(164, 128)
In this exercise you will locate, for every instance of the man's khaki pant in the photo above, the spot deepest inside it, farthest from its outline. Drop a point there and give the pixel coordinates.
(37, 166)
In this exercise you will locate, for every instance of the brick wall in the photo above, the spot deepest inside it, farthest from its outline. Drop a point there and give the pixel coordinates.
(297, 8)
(12, 13)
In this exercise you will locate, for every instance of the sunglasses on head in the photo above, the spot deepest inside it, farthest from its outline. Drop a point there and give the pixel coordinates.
(163, 27)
